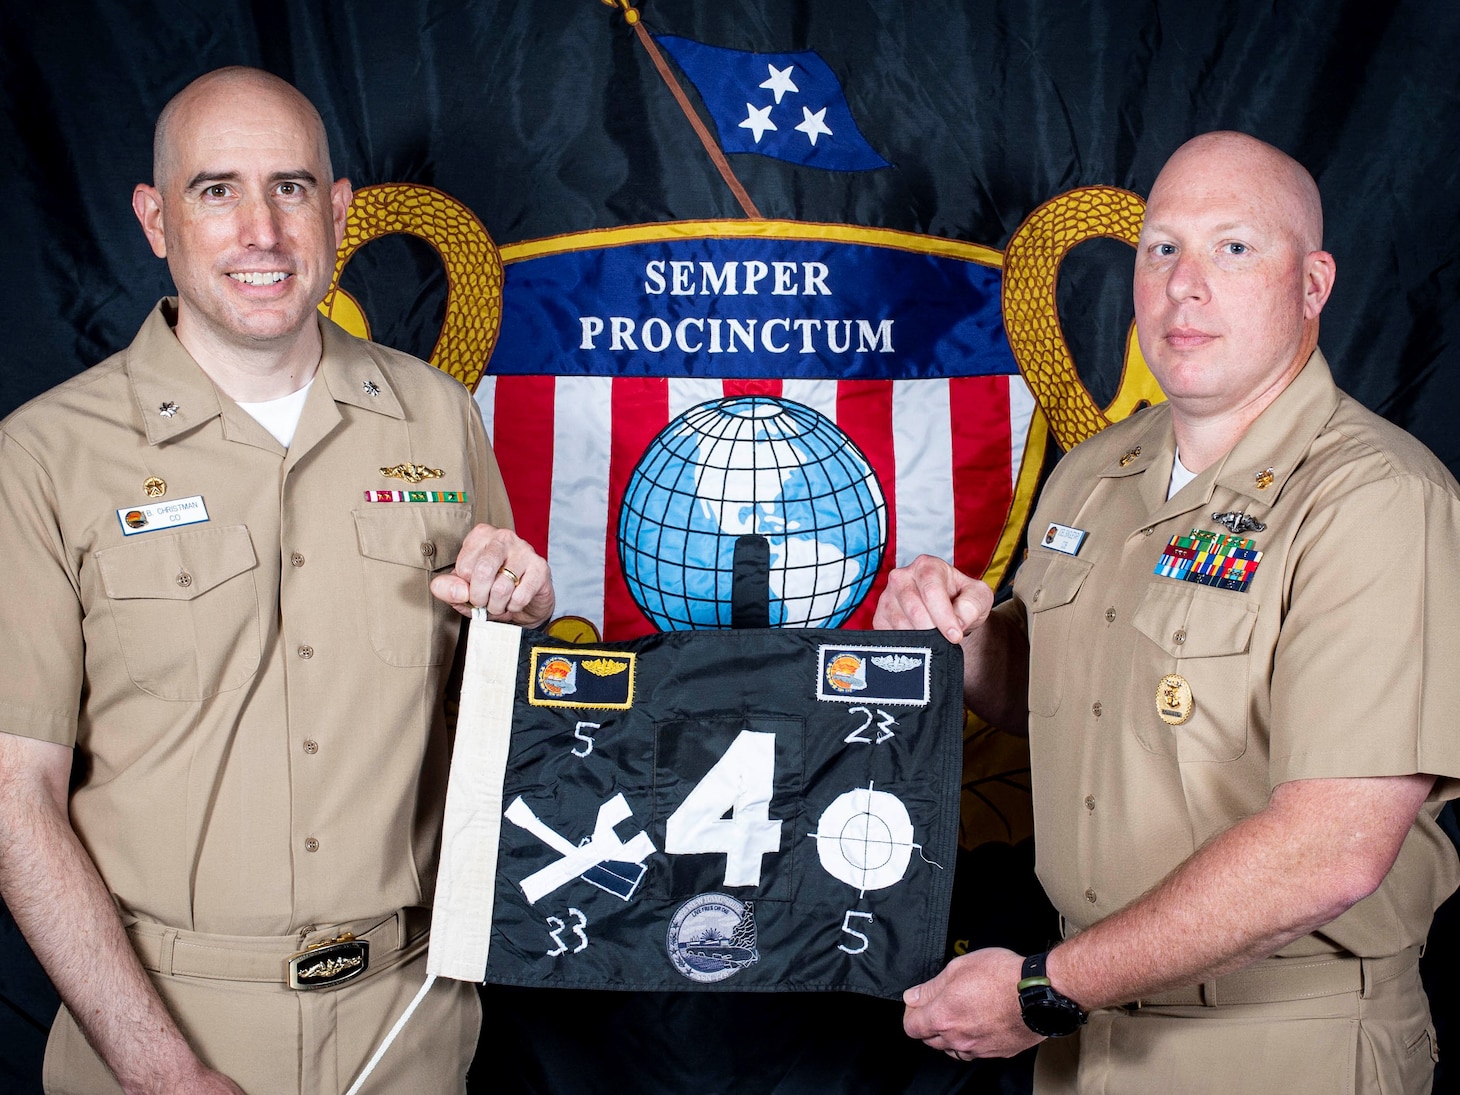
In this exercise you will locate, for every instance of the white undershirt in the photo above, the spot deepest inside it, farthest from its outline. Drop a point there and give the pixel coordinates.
(280, 416)
(1179, 475)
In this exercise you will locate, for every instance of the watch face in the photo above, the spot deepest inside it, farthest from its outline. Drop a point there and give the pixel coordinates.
(1050, 1014)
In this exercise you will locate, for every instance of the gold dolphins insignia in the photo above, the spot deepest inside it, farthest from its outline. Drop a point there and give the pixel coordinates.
(331, 967)
(411, 473)
(603, 667)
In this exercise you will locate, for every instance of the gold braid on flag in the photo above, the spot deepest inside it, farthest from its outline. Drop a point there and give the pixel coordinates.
(473, 270)
(1031, 315)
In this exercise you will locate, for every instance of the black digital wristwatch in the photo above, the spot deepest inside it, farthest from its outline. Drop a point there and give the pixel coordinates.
(1044, 1010)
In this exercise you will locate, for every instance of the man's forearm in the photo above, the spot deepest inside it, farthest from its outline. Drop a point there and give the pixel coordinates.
(1318, 848)
(996, 674)
(67, 916)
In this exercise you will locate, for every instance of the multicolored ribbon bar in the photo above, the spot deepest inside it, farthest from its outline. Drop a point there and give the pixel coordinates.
(1210, 559)
(415, 496)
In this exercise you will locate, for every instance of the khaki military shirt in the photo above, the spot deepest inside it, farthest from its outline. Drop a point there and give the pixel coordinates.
(256, 699)
(1340, 658)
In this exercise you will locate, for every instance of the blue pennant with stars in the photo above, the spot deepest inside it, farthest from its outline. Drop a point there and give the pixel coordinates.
(789, 106)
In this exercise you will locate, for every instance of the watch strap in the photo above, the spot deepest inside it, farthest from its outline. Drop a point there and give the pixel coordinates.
(1033, 972)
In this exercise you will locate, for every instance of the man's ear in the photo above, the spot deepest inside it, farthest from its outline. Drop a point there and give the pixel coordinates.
(1318, 273)
(147, 204)
(341, 195)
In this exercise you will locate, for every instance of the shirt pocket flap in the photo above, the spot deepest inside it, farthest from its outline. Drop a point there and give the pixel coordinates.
(427, 536)
(1058, 584)
(1194, 622)
(179, 567)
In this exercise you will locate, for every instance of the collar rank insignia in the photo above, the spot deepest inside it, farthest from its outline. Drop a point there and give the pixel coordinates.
(1210, 559)
(411, 473)
(1238, 522)
(369, 387)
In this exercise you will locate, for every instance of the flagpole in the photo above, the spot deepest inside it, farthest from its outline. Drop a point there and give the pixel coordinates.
(632, 17)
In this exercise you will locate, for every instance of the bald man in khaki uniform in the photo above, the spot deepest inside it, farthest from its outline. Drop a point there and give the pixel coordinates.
(1233, 643)
(223, 545)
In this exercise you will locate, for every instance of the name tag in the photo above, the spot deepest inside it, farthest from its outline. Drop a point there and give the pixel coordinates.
(161, 515)
(1064, 539)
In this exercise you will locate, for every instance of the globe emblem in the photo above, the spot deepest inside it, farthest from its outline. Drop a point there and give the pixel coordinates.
(751, 465)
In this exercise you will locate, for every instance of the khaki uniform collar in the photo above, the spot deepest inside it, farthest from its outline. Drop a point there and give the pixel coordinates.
(174, 395)
(1273, 446)
(1267, 453)
(1153, 448)
(353, 375)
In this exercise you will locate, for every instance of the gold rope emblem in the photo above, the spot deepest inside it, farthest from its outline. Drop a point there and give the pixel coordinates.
(473, 270)
(1031, 316)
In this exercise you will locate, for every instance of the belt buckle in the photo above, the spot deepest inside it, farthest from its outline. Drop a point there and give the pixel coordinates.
(327, 965)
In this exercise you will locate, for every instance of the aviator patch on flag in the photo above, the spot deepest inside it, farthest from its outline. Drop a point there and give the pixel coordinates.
(1210, 559)
(728, 829)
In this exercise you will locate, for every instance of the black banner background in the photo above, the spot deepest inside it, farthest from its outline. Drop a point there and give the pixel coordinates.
(546, 117)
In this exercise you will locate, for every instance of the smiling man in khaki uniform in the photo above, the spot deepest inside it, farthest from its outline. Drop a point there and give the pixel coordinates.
(1234, 644)
(222, 546)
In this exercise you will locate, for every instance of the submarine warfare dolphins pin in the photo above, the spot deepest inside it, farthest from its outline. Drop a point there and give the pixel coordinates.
(1238, 522)
(411, 473)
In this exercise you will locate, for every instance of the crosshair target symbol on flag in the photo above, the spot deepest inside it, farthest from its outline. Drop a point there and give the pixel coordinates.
(865, 839)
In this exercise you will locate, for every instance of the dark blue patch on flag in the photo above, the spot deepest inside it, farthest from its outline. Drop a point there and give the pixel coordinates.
(789, 106)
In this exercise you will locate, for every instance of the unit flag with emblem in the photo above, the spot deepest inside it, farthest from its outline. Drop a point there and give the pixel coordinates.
(760, 809)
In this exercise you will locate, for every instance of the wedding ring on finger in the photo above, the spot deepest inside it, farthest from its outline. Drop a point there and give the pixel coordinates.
(511, 574)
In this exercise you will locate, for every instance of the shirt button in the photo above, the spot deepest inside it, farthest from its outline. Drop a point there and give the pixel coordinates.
(1179, 637)
(184, 579)
(312, 845)
(428, 549)
(1110, 615)
(1035, 599)
(306, 651)
(311, 746)
(1090, 802)
(1096, 709)
(296, 559)
(1090, 896)
(1147, 530)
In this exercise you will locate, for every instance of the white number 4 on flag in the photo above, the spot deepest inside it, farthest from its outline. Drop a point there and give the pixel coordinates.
(740, 786)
